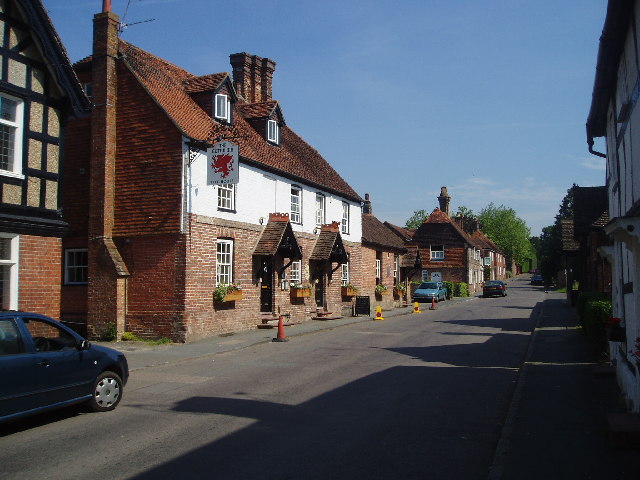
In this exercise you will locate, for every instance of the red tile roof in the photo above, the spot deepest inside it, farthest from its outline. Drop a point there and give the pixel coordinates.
(204, 83)
(293, 157)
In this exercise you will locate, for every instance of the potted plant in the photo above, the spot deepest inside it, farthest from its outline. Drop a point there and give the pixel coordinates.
(227, 292)
(298, 290)
(349, 290)
(381, 289)
(400, 290)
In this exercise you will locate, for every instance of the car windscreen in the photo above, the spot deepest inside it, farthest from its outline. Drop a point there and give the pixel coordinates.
(492, 283)
(430, 285)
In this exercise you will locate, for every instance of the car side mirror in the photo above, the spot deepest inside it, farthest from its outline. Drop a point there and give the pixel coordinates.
(85, 345)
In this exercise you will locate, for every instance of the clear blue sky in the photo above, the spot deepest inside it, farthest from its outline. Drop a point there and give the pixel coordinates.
(486, 97)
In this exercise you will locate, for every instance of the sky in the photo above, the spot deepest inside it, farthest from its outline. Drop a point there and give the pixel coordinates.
(486, 97)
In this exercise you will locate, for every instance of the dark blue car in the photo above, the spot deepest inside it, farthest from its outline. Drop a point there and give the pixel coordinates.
(45, 365)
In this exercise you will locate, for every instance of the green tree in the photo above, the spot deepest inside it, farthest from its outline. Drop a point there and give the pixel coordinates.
(509, 232)
(416, 219)
(469, 219)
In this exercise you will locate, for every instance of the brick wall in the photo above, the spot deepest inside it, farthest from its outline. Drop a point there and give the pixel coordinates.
(40, 274)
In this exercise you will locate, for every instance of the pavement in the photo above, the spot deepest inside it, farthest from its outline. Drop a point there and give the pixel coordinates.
(556, 425)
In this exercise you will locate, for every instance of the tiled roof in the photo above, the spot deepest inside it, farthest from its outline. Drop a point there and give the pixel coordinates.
(292, 158)
(376, 233)
(411, 259)
(329, 246)
(204, 83)
(278, 235)
(405, 233)
(440, 228)
(569, 244)
(258, 110)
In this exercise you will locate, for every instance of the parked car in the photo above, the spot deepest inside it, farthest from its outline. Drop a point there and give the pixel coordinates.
(428, 291)
(537, 280)
(45, 365)
(492, 288)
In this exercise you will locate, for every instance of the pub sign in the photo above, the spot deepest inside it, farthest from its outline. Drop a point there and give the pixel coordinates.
(222, 164)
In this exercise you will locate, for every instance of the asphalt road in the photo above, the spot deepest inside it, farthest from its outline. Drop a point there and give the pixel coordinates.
(413, 397)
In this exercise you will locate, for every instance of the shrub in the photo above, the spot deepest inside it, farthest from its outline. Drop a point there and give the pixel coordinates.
(450, 287)
(594, 309)
(461, 290)
(586, 297)
(110, 334)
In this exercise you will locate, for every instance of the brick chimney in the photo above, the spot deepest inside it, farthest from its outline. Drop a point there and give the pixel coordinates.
(444, 200)
(252, 77)
(367, 208)
(106, 290)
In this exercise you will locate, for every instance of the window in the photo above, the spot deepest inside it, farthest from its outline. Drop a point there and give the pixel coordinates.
(11, 135)
(345, 217)
(222, 108)
(9, 272)
(425, 275)
(48, 337)
(320, 204)
(345, 274)
(88, 89)
(378, 270)
(296, 272)
(396, 261)
(226, 196)
(224, 261)
(273, 132)
(10, 342)
(437, 252)
(296, 204)
(76, 265)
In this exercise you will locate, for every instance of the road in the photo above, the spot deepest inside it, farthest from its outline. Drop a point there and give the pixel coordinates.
(412, 397)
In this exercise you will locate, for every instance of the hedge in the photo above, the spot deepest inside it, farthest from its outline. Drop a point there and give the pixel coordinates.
(594, 309)
(461, 290)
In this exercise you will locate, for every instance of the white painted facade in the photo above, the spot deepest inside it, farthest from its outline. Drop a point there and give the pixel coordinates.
(259, 193)
(623, 184)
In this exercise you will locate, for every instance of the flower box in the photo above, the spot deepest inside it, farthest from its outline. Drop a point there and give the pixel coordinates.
(349, 292)
(300, 292)
(398, 292)
(233, 296)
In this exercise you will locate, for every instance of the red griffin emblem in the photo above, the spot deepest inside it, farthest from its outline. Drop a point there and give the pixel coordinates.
(222, 164)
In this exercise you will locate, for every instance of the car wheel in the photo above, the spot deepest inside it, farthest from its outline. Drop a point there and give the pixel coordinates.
(107, 392)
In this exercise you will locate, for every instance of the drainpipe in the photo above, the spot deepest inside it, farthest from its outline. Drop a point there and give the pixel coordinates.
(591, 150)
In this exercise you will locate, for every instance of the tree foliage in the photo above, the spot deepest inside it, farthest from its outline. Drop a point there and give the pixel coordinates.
(469, 219)
(509, 232)
(416, 219)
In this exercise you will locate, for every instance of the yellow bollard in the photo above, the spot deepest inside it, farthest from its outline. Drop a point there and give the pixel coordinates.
(379, 313)
(416, 307)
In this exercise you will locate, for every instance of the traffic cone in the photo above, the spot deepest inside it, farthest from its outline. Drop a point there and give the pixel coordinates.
(416, 307)
(433, 304)
(379, 314)
(281, 337)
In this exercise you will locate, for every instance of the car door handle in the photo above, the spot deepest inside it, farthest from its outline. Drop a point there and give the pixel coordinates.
(43, 363)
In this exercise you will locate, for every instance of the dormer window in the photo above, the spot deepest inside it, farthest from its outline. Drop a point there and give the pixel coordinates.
(222, 108)
(273, 132)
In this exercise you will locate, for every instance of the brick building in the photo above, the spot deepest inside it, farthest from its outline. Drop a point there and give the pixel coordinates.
(160, 236)
(447, 250)
(38, 93)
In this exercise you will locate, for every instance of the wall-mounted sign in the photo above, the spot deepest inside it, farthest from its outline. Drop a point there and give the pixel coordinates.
(436, 276)
(487, 261)
(222, 164)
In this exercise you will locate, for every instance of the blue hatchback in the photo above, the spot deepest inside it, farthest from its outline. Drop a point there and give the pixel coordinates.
(45, 365)
(430, 291)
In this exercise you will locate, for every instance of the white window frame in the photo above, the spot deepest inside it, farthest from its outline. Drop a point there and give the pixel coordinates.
(273, 132)
(344, 278)
(224, 261)
(15, 169)
(70, 265)
(296, 204)
(321, 204)
(295, 274)
(222, 107)
(436, 255)
(227, 196)
(425, 275)
(379, 269)
(396, 262)
(10, 301)
(345, 217)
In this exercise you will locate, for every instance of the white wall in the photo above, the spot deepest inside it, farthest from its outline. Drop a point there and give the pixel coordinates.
(259, 193)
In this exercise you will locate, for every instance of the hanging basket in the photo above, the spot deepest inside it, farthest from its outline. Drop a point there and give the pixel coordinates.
(349, 292)
(300, 292)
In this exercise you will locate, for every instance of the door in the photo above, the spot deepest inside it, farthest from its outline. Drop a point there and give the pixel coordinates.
(266, 287)
(318, 280)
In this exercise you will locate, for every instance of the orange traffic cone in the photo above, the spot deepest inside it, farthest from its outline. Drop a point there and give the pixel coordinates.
(433, 304)
(416, 307)
(281, 337)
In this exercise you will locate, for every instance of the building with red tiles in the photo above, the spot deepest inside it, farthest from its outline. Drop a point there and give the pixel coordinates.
(187, 184)
(39, 92)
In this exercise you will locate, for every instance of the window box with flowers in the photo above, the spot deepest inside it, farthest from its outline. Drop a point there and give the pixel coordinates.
(381, 289)
(399, 290)
(349, 290)
(299, 290)
(227, 292)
